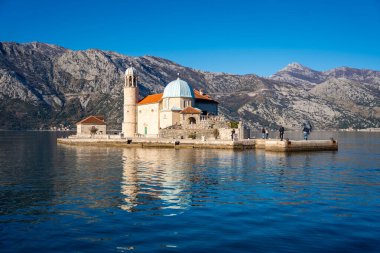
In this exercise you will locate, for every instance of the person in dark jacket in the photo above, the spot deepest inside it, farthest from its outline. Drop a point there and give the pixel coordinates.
(306, 132)
(281, 130)
(263, 133)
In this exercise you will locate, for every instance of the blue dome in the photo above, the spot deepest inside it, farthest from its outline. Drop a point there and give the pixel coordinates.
(178, 88)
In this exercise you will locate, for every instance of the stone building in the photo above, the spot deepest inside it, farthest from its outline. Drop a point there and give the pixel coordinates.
(178, 107)
(179, 112)
(92, 125)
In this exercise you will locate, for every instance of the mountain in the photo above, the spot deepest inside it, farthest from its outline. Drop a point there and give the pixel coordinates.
(43, 85)
(298, 74)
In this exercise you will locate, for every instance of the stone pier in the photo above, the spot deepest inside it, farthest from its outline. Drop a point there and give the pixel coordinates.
(268, 145)
(301, 145)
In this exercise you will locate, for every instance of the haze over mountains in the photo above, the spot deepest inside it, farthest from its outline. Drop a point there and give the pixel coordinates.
(43, 85)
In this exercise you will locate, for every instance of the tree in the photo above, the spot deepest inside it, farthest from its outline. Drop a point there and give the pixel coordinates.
(193, 135)
(234, 124)
(216, 133)
(93, 130)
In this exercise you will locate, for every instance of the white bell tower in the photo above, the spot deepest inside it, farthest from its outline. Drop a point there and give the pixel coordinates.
(131, 92)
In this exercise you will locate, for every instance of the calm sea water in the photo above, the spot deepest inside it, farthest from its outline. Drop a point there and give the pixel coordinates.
(56, 198)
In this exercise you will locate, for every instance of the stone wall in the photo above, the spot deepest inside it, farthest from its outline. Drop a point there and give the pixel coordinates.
(185, 133)
(224, 133)
(206, 122)
(240, 133)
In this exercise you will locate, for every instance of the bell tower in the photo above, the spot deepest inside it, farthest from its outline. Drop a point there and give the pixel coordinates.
(131, 92)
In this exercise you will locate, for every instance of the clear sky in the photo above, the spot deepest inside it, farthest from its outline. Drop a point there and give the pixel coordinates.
(235, 36)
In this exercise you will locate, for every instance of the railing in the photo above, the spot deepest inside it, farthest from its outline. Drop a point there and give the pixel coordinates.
(212, 118)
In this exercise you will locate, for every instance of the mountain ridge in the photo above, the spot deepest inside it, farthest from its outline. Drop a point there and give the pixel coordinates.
(302, 74)
(43, 85)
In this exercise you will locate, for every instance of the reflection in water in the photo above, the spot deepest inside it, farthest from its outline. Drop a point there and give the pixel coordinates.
(110, 199)
(153, 174)
(177, 179)
(170, 178)
(129, 186)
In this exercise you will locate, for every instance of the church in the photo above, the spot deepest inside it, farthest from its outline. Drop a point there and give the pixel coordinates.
(178, 107)
(179, 112)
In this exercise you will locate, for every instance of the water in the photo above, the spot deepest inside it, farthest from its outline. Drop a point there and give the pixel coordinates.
(56, 198)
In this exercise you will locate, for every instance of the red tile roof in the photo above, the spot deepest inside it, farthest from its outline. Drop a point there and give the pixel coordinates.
(198, 95)
(190, 110)
(92, 120)
(150, 99)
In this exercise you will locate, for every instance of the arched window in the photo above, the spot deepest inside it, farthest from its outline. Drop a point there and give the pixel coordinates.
(192, 120)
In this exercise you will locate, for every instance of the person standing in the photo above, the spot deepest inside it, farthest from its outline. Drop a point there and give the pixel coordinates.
(263, 133)
(281, 130)
(306, 132)
(266, 133)
(233, 134)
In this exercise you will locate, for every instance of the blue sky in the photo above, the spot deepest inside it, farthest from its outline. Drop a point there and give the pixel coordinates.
(237, 36)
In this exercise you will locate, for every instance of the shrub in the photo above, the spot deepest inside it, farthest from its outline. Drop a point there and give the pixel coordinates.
(193, 135)
(234, 124)
(93, 130)
(216, 133)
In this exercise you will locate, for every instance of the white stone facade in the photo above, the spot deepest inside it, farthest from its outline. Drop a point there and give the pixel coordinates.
(129, 126)
(84, 129)
(165, 110)
(92, 125)
(148, 119)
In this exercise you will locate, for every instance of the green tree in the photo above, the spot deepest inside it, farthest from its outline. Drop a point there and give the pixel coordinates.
(234, 124)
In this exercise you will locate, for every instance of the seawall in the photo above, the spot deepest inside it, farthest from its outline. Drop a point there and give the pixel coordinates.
(268, 145)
